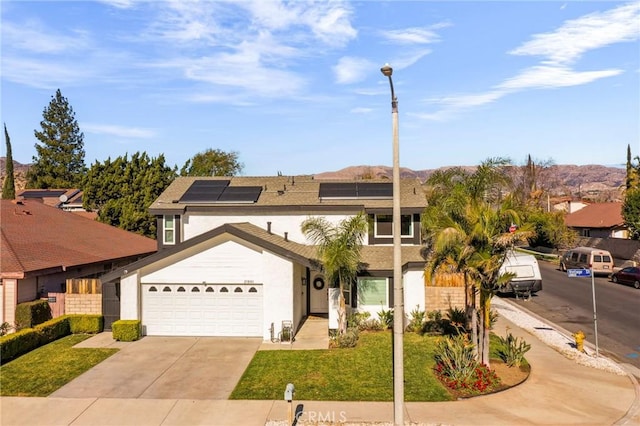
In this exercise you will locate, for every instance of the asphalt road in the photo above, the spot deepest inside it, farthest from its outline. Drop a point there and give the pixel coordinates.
(568, 302)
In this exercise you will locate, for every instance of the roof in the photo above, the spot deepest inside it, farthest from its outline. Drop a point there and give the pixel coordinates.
(36, 236)
(378, 258)
(287, 192)
(51, 197)
(596, 215)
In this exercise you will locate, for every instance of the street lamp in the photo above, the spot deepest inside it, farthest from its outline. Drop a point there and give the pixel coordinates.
(398, 291)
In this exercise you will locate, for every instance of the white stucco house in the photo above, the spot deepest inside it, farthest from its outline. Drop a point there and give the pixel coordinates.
(232, 260)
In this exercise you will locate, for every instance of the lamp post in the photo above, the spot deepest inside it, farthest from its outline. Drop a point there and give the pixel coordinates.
(398, 291)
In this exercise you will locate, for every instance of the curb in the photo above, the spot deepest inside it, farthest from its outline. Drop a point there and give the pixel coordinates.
(634, 409)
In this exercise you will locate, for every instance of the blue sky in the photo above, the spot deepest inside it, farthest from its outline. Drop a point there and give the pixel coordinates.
(295, 87)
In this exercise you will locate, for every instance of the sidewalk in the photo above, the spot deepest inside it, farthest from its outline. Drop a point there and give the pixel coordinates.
(559, 391)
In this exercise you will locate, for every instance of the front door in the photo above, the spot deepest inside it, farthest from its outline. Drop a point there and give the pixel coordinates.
(319, 296)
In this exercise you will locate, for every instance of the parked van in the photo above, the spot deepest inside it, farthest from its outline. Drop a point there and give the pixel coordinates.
(527, 278)
(586, 258)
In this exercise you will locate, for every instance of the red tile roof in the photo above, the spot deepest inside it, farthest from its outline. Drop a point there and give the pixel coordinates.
(596, 215)
(36, 236)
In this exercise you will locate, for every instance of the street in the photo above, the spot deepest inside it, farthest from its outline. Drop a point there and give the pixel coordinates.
(568, 302)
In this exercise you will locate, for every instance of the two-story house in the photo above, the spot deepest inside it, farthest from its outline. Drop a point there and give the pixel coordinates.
(233, 260)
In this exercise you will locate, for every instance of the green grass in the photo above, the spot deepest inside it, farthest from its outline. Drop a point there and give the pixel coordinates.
(44, 370)
(363, 373)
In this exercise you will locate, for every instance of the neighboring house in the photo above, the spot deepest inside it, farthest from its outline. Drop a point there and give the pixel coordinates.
(599, 220)
(65, 199)
(568, 205)
(43, 246)
(233, 260)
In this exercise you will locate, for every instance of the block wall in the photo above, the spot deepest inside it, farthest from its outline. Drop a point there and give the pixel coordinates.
(83, 304)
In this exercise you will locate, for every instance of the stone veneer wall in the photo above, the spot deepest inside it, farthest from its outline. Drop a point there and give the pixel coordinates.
(83, 304)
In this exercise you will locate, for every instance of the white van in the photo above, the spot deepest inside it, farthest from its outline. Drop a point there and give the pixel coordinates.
(527, 278)
(586, 258)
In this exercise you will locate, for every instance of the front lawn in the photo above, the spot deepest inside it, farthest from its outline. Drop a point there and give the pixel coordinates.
(47, 368)
(363, 373)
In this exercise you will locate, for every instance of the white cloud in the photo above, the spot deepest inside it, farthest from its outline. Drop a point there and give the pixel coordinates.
(119, 131)
(120, 4)
(409, 58)
(544, 76)
(352, 70)
(412, 36)
(569, 42)
(361, 110)
(42, 74)
(33, 37)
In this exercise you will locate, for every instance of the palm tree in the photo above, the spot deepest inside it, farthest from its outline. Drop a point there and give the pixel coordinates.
(466, 231)
(338, 248)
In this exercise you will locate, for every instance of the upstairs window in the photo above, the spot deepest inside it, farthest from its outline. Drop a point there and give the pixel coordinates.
(384, 225)
(169, 228)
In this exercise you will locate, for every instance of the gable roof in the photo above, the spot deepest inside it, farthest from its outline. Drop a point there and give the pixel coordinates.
(35, 237)
(596, 215)
(377, 258)
(286, 193)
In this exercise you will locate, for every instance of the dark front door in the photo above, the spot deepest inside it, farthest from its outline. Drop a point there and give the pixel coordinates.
(110, 303)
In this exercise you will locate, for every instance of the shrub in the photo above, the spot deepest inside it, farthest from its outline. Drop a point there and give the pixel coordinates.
(53, 329)
(347, 340)
(386, 318)
(357, 319)
(455, 358)
(15, 344)
(511, 350)
(434, 324)
(29, 314)
(457, 317)
(127, 330)
(417, 319)
(481, 380)
(5, 328)
(89, 324)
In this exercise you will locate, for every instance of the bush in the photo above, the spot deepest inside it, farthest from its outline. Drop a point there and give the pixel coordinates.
(15, 344)
(417, 319)
(127, 330)
(5, 328)
(455, 359)
(386, 318)
(53, 329)
(347, 340)
(511, 350)
(30, 314)
(85, 324)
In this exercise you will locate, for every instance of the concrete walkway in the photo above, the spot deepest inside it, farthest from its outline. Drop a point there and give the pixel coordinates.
(313, 334)
(558, 392)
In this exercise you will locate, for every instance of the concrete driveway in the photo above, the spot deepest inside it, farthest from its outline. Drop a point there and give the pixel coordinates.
(165, 368)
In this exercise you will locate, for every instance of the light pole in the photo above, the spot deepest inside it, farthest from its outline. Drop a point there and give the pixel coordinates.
(398, 291)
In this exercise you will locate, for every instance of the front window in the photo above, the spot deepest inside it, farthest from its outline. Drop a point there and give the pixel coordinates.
(169, 230)
(373, 291)
(384, 225)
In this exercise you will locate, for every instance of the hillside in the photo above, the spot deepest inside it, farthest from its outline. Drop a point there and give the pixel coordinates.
(591, 180)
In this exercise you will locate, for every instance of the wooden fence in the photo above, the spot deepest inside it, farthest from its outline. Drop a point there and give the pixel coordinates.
(84, 286)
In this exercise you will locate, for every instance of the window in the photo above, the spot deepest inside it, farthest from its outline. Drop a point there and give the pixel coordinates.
(373, 291)
(169, 230)
(384, 225)
(346, 293)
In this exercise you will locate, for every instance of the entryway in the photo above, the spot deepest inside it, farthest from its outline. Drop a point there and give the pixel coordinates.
(319, 296)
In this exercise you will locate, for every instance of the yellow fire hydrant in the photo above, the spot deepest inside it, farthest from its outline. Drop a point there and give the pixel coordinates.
(579, 336)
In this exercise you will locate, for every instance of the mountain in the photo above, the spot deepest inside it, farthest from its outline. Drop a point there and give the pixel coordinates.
(601, 183)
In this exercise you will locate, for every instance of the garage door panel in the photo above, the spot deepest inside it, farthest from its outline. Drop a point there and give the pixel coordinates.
(196, 310)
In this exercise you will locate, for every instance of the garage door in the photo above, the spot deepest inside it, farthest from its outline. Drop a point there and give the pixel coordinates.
(202, 310)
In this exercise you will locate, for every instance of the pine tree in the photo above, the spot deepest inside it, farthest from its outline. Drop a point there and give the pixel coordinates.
(9, 186)
(60, 159)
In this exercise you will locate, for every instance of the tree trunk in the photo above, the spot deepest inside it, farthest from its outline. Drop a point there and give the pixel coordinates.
(342, 313)
(485, 320)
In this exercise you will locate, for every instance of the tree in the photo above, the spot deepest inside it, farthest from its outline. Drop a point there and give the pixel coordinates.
(466, 229)
(60, 159)
(9, 185)
(212, 162)
(122, 191)
(338, 247)
(631, 205)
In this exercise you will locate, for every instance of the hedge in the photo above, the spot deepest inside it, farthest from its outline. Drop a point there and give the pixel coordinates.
(127, 330)
(15, 344)
(29, 314)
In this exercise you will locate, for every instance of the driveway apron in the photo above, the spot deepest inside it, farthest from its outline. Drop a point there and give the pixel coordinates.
(167, 368)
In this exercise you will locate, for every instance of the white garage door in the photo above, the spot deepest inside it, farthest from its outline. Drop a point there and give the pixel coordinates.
(202, 310)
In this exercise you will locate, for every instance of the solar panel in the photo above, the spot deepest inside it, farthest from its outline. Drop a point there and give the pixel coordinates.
(355, 190)
(374, 190)
(204, 191)
(337, 190)
(42, 193)
(240, 194)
